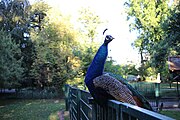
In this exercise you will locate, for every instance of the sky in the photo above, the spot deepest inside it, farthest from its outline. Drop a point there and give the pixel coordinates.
(111, 11)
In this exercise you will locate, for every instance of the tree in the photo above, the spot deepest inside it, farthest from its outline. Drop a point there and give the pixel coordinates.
(10, 61)
(172, 30)
(14, 15)
(148, 17)
(169, 46)
(15, 20)
(55, 45)
(111, 67)
(171, 42)
(37, 14)
(90, 22)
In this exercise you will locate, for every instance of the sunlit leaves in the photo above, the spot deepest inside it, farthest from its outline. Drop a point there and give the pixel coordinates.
(56, 44)
(148, 19)
(90, 22)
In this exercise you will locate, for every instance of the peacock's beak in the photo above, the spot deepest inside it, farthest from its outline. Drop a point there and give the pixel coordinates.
(110, 38)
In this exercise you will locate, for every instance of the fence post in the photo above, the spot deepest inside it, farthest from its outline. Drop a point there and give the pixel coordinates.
(119, 112)
(70, 102)
(157, 93)
(78, 104)
(67, 96)
(94, 108)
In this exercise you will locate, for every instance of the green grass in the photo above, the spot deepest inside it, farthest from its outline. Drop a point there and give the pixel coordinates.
(171, 113)
(30, 109)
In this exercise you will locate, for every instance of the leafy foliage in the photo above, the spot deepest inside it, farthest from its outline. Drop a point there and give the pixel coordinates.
(123, 70)
(90, 22)
(172, 28)
(10, 61)
(15, 20)
(150, 21)
(147, 17)
(52, 52)
(55, 43)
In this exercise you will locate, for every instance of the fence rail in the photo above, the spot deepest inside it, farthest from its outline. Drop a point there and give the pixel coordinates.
(81, 106)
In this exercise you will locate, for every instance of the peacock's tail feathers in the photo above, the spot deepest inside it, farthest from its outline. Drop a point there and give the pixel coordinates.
(115, 88)
(140, 99)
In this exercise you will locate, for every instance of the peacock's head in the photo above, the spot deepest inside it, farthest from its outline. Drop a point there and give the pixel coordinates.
(108, 39)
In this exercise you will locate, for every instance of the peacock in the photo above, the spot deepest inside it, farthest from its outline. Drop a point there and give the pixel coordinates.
(107, 86)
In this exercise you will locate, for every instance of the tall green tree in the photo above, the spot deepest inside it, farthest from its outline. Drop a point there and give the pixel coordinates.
(172, 30)
(171, 44)
(11, 71)
(15, 20)
(55, 45)
(90, 22)
(148, 17)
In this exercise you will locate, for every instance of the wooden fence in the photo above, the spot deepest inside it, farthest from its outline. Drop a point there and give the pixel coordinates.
(81, 106)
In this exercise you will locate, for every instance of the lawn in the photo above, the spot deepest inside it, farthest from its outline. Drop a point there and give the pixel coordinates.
(31, 109)
(171, 113)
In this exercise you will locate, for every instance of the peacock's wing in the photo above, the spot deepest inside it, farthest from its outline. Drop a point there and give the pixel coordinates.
(115, 88)
(142, 100)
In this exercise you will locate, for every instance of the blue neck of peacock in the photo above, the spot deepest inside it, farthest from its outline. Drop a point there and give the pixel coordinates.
(97, 66)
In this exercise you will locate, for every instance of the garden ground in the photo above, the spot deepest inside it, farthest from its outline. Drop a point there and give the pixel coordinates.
(18, 109)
